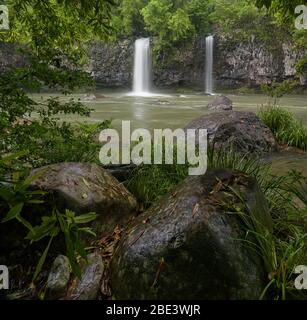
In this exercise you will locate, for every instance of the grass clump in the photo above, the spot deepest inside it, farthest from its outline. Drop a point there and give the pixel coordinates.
(285, 127)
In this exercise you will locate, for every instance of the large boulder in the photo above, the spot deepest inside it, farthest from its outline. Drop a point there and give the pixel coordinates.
(241, 131)
(85, 187)
(220, 103)
(187, 246)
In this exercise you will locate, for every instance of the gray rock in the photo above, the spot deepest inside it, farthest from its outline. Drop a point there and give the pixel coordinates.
(89, 284)
(89, 97)
(220, 103)
(303, 80)
(187, 245)
(241, 131)
(83, 188)
(162, 102)
(121, 172)
(58, 278)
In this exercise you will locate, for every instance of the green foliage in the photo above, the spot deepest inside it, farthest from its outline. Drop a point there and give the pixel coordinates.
(127, 19)
(286, 7)
(283, 247)
(199, 13)
(285, 127)
(180, 26)
(60, 24)
(240, 20)
(277, 90)
(37, 125)
(301, 66)
(171, 24)
(69, 225)
(51, 36)
(175, 23)
(149, 182)
(15, 198)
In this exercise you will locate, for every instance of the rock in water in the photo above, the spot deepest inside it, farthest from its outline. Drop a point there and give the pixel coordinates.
(89, 284)
(187, 246)
(89, 97)
(58, 278)
(220, 103)
(241, 131)
(83, 188)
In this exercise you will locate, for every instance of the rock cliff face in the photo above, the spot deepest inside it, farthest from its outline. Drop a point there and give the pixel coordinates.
(111, 64)
(235, 64)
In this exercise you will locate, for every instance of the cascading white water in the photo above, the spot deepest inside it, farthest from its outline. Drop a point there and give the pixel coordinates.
(142, 68)
(209, 65)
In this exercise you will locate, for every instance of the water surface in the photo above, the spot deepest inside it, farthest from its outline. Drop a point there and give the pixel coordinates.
(176, 110)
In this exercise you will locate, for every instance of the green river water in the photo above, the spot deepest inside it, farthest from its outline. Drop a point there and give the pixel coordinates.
(176, 110)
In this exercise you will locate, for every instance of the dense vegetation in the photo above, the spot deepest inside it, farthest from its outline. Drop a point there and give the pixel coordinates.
(31, 133)
(173, 23)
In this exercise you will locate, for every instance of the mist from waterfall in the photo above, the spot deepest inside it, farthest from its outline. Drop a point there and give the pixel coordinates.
(142, 68)
(209, 65)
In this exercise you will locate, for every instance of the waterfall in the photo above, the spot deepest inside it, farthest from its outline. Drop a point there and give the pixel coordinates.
(209, 65)
(142, 68)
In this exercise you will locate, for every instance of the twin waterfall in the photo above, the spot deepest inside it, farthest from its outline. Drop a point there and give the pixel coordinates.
(142, 67)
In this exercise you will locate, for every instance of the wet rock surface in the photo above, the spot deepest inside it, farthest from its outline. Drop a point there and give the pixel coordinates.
(89, 284)
(186, 245)
(241, 131)
(220, 103)
(58, 278)
(83, 188)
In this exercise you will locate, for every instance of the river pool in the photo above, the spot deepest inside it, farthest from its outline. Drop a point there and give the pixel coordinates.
(173, 111)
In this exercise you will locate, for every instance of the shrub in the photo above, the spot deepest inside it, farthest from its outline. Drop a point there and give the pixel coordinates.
(286, 129)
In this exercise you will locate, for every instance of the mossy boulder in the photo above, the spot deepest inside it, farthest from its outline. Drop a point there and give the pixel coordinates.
(187, 246)
(85, 187)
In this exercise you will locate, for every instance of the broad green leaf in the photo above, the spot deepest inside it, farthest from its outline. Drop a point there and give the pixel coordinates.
(85, 218)
(26, 223)
(6, 194)
(13, 213)
(88, 230)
